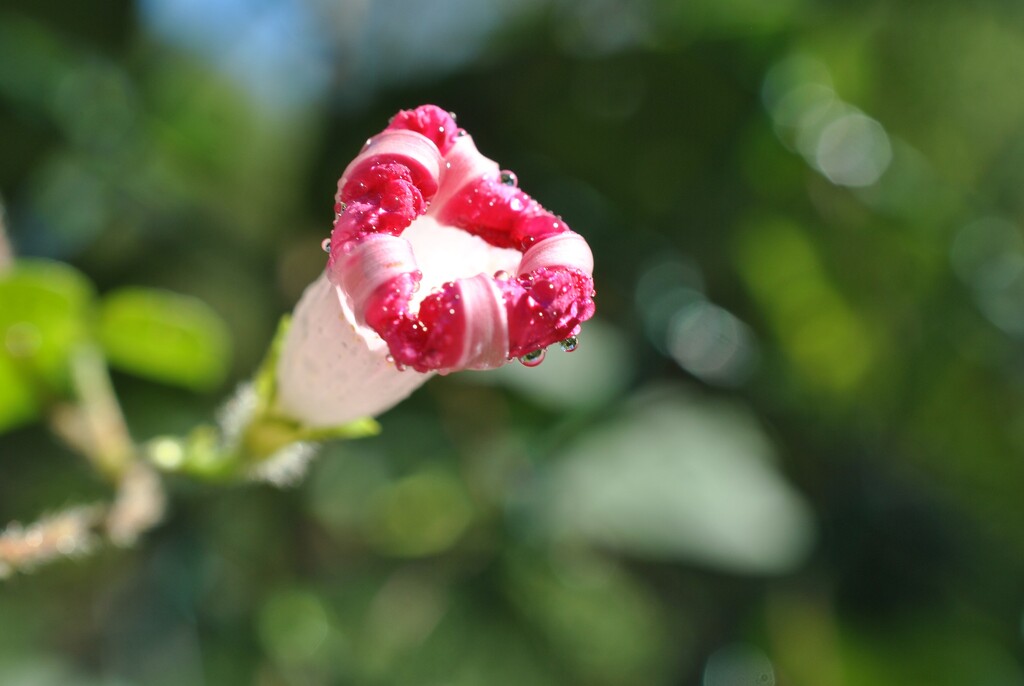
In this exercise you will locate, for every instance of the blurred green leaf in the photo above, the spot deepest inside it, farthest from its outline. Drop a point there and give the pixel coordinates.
(940, 653)
(17, 402)
(45, 310)
(829, 344)
(597, 619)
(293, 625)
(674, 477)
(422, 514)
(165, 337)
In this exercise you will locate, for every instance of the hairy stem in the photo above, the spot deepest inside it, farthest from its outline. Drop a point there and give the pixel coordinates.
(95, 425)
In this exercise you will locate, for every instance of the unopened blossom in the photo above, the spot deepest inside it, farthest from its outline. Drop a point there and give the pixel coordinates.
(438, 262)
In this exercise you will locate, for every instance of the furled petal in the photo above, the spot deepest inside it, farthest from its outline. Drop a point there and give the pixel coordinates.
(333, 370)
(438, 262)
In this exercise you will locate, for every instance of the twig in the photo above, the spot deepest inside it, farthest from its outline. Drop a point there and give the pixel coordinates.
(138, 506)
(95, 425)
(63, 534)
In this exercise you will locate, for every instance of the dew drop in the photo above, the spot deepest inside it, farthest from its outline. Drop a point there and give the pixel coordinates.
(440, 129)
(532, 359)
(325, 245)
(569, 344)
(502, 275)
(508, 178)
(516, 205)
(460, 133)
(452, 115)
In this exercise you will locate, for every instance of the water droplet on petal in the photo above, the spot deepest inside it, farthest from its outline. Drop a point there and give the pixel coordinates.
(516, 205)
(502, 275)
(532, 359)
(452, 115)
(460, 133)
(508, 178)
(325, 245)
(440, 129)
(569, 344)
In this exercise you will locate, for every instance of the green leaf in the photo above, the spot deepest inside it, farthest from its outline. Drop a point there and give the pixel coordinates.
(18, 404)
(678, 478)
(45, 311)
(422, 514)
(596, 618)
(165, 337)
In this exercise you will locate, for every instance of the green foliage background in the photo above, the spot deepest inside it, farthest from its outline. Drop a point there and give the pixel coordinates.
(790, 449)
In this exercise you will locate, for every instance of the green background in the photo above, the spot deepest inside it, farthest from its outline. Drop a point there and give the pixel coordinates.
(790, 449)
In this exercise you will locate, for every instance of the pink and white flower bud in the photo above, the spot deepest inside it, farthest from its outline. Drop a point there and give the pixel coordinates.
(333, 370)
(438, 262)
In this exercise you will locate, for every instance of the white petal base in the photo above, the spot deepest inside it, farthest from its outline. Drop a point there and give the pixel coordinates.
(332, 372)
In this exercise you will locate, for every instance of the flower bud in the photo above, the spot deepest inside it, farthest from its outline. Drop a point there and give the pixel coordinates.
(437, 264)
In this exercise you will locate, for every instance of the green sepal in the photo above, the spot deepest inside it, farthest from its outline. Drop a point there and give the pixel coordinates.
(266, 377)
(200, 454)
(268, 434)
(269, 430)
